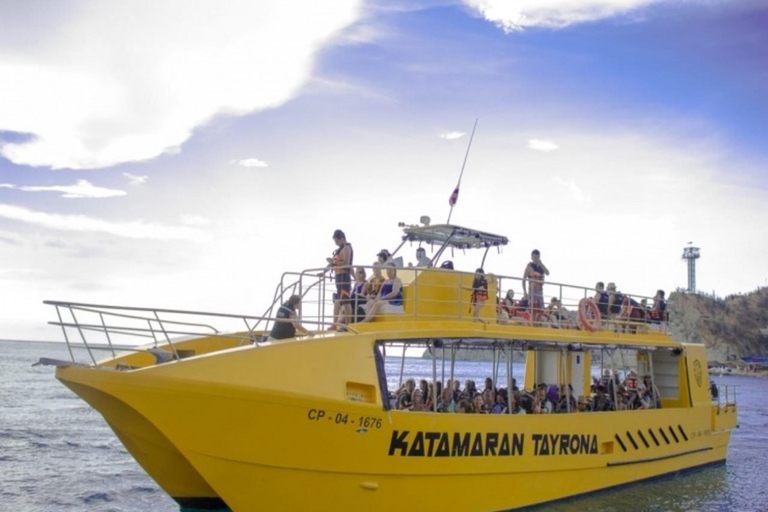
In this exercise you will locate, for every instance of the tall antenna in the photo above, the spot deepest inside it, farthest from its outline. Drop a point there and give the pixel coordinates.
(455, 195)
(691, 254)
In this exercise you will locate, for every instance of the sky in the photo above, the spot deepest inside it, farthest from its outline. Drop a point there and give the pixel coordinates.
(183, 156)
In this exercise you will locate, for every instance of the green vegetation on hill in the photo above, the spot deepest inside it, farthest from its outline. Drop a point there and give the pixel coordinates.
(729, 327)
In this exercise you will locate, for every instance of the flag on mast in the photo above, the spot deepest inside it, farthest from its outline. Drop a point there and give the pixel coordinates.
(454, 197)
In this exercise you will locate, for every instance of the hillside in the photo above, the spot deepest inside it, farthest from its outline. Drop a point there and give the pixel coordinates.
(729, 326)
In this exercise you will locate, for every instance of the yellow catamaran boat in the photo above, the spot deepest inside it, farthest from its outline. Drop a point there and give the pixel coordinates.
(221, 418)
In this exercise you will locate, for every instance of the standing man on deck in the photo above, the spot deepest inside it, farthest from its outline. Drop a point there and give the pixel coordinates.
(341, 264)
(534, 276)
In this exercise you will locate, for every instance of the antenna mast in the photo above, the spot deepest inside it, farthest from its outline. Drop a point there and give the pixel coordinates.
(455, 195)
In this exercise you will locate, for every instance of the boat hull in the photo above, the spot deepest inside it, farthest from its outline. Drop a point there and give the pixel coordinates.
(262, 442)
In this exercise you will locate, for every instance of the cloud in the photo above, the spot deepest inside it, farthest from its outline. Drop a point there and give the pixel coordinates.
(81, 223)
(519, 14)
(542, 145)
(135, 180)
(149, 72)
(575, 191)
(452, 135)
(249, 162)
(83, 189)
(194, 220)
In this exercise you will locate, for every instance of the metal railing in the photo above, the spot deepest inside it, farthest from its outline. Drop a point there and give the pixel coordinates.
(97, 327)
(316, 287)
(726, 395)
(115, 324)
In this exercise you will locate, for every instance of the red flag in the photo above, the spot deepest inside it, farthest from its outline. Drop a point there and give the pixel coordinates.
(454, 197)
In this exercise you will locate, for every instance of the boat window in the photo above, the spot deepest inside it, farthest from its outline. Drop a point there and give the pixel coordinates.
(501, 376)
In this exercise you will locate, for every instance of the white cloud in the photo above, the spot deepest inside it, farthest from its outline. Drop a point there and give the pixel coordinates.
(452, 135)
(134, 179)
(81, 223)
(83, 189)
(542, 145)
(149, 72)
(249, 162)
(517, 15)
(194, 220)
(575, 191)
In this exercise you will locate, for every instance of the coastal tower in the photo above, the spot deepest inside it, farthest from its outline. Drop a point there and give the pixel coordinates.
(691, 254)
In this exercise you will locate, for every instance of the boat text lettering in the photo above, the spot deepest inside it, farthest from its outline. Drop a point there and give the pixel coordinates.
(315, 414)
(342, 418)
(442, 444)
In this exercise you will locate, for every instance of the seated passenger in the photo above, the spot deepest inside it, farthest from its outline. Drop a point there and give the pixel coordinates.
(659, 311)
(478, 404)
(469, 387)
(373, 286)
(479, 293)
(404, 399)
(447, 265)
(384, 257)
(446, 403)
(652, 393)
(516, 405)
(502, 317)
(601, 298)
(358, 295)
(421, 258)
(418, 404)
(464, 407)
(287, 322)
(615, 300)
(390, 299)
(489, 403)
(456, 386)
(582, 405)
(602, 402)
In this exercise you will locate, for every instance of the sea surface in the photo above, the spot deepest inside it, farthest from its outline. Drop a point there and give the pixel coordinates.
(58, 454)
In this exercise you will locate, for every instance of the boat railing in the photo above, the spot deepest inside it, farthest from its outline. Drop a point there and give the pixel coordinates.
(726, 395)
(441, 294)
(97, 327)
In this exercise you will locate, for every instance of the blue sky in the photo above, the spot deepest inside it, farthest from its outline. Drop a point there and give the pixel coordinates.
(186, 157)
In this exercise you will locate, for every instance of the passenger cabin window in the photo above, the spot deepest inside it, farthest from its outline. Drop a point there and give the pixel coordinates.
(497, 376)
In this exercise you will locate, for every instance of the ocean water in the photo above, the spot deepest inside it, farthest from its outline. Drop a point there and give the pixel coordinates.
(58, 454)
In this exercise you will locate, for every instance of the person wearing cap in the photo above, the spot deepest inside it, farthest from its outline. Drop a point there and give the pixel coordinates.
(533, 275)
(383, 256)
(341, 264)
(615, 299)
(582, 405)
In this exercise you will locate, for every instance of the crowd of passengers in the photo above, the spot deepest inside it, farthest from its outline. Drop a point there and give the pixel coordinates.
(630, 394)
(611, 303)
(360, 298)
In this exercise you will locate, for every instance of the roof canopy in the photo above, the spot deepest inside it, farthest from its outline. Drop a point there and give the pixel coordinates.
(453, 236)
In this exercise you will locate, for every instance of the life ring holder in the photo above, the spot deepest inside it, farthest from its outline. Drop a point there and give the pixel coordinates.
(588, 324)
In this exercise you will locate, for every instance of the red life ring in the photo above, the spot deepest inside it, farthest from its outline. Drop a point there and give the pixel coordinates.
(590, 324)
(524, 315)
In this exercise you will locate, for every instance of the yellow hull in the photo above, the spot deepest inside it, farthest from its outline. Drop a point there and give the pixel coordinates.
(317, 438)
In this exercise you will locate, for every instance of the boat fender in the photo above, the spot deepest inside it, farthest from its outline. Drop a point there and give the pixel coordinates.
(590, 324)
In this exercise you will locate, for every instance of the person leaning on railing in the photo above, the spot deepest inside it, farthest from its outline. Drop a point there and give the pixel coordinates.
(287, 322)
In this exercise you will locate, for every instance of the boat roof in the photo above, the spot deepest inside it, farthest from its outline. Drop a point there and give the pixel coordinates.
(453, 236)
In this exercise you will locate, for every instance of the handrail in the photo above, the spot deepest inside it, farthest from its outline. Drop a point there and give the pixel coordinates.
(312, 285)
